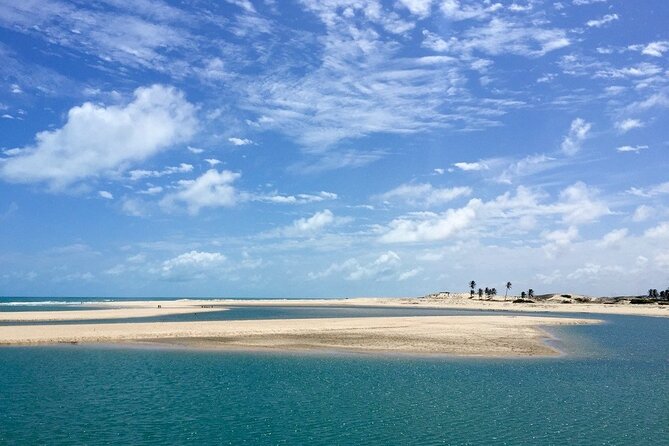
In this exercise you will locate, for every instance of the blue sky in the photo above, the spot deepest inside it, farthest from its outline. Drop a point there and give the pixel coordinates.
(332, 148)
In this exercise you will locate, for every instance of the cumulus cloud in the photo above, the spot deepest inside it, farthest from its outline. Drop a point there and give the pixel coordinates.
(471, 166)
(576, 205)
(314, 223)
(579, 204)
(192, 265)
(429, 227)
(562, 237)
(384, 267)
(578, 132)
(659, 231)
(240, 141)
(420, 8)
(210, 190)
(97, 140)
(309, 226)
(106, 195)
(424, 195)
(626, 125)
(613, 238)
(642, 213)
(656, 49)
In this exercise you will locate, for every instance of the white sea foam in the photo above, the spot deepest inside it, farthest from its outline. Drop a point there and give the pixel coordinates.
(45, 302)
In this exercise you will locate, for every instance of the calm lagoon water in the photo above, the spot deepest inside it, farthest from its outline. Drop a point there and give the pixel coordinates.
(611, 388)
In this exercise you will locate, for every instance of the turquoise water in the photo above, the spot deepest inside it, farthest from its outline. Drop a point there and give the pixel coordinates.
(612, 388)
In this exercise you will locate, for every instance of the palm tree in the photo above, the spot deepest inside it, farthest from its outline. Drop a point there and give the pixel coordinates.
(530, 293)
(493, 292)
(480, 293)
(508, 287)
(522, 295)
(487, 293)
(472, 285)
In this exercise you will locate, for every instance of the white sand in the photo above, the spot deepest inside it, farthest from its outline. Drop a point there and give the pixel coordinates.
(119, 312)
(502, 335)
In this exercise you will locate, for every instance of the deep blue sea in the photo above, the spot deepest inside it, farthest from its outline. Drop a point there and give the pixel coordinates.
(611, 388)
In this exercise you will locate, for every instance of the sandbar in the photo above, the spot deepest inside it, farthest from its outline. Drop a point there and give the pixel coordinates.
(486, 336)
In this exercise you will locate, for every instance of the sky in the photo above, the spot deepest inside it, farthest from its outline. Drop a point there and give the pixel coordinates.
(333, 148)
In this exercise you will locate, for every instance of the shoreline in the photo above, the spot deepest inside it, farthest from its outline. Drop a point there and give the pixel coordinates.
(457, 302)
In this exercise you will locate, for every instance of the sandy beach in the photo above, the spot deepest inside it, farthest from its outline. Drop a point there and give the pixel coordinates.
(454, 335)
(455, 302)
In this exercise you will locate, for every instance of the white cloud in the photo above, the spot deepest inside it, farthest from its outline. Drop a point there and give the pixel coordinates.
(106, 195)
(641, 70)
(246, 5)
(654, 49)
(613, 238)
(315, 223)
(659, 231)
(424, 195)
(591, 270)
(578, 132)
(578, 205)
(642, 213)
(192, 265)
(420, 8)
(432, 227)
(454, 10)
(152, 190)
(296, 199)
(409, 274)
(626, 125)
(587, 2)
(195, 150)
(96, 139)
(139, 174)
(467, 167)
(501, 36)
(562, 237)
(598, 23)
(240, 141)
(210, 190)
(529, 165)
(310, 226)
(658, 189)
(333, 160)
(635, 149)
(384, 267)
(213, 162)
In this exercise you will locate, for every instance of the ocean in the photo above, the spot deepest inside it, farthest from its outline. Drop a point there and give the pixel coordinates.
(610, 388)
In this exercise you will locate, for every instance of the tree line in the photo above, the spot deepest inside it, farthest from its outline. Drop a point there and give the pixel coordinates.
(492, 292)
